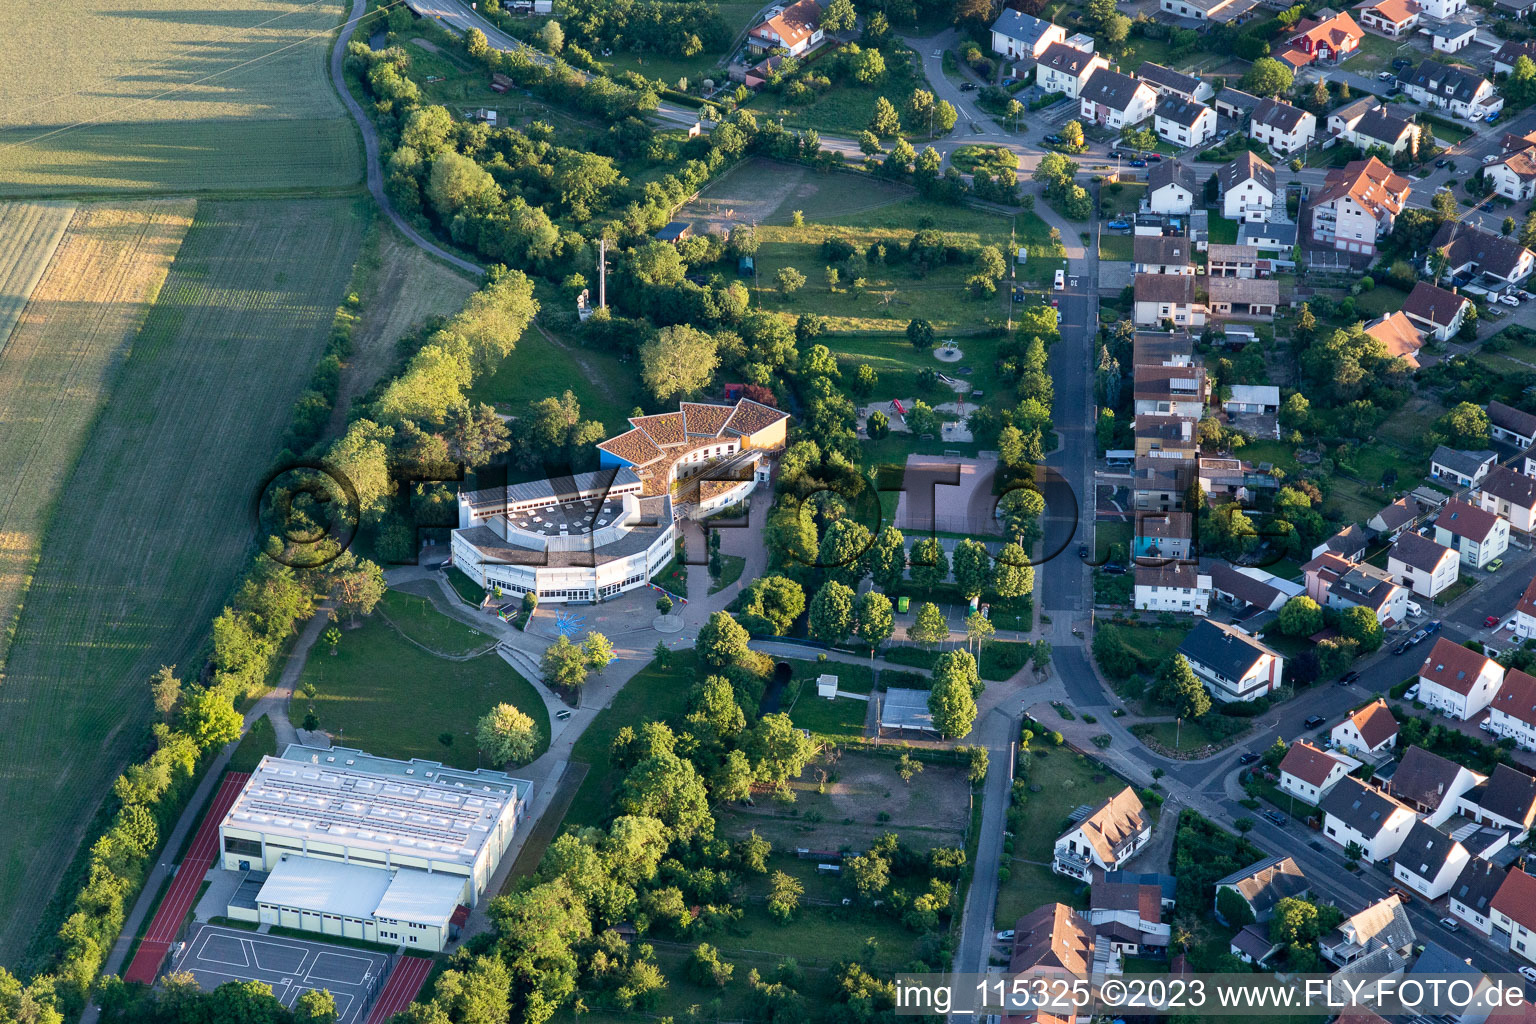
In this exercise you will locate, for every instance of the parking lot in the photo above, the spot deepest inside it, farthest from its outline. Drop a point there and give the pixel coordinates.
(215, 955)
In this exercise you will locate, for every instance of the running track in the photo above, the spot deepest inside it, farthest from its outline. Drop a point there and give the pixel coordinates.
(401, 988)
(183, 892)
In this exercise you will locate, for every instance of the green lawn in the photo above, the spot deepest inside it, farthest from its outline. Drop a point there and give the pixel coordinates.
(471, 592)
(847, 108)
(1449, 131)
(1186, 736)
(1114, 246)
(1110, 536)
(730, 572)
(1380, 300)
(383, 694)
(417, 619)
(1375, 54)
(259, 741)
(1223, 231)
(992, 159)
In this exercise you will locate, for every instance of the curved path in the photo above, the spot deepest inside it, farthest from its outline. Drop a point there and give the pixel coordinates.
(371, 149)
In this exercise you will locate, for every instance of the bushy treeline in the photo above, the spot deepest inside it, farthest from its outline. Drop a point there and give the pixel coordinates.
(646, 26)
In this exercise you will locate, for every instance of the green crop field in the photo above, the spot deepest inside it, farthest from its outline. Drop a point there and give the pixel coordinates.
(142, 555)
(29, 234)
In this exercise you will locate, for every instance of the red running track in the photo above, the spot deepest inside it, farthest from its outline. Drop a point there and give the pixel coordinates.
(401, 988)
(183, 892)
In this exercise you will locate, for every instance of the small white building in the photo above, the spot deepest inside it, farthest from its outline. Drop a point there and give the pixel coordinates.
(1421, 565)
(1283, 128)
(1183, 122)
(1461, 468)
(1458, 681)
(1479, 536)
(1510, 425)
(1171, 189)
(1525, 613)
(1432, 785)
(1510, 495)
(1512, 712)
(1356, 813)
(1437, 312)
(1174, 587)
(1016, 34)
(1064, 69)
(1167, 298)
(1307, 772)
(1105, 839)
(1253, 398)
(1429, 862)
(1370, 731)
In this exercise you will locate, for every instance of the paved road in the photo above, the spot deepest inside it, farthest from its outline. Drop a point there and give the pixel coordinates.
(371, 149)
(996, 732)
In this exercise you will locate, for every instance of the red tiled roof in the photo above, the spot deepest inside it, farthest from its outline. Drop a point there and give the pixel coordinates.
(1375, 723)
(1453, 666)
(1527, 602)
(1516, 898)
(1308, 763)
(1462, 520)
(1517, 697)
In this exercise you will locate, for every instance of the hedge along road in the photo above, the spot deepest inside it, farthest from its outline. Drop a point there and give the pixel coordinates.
(371, 148)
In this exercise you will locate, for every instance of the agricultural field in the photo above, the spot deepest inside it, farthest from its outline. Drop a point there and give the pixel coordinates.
(87, 278)
(162, 521)
(190, 95)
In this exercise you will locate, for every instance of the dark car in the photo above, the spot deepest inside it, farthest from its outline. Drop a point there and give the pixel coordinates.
(1348, 677)
(1082, 551)
(1401, 648)
(1313, 722)
(1248, 758)
(1432, 628)
(1156, 158)
(1317, 845)
(1402, 62)
(1276, 817)
(967, 86)
(1138, 163)
(1054, 140)
(1114, 570)
(1440, 162)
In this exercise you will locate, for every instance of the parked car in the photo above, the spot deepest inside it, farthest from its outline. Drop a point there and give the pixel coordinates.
(1509, 300)
(1418, 637)
(1005, 936)
(1441, 162)
(1525, 296)
(1493, 118)
(1528, 973)
(1114, 570)
(1492, 620)
(1385, 76)
(1401, 893)
(1317, 844)
(1082, 551)
(1490, 158)
(1431, 628)
(1248, 758)
(1276, 817)
(1402, 62)
(1401, 648)
(1348, 677)
(1119, 225)
(1054, 139)
(1138, 163)
(1495, 565)
(1412, 693)
(1224, 133)
(1450, 924)
(1156, 158)
(967, 86)
(1313, 722)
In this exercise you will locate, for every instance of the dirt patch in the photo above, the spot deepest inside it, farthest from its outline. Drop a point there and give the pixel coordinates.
(863, 798)
(767, 192)
(426, 44)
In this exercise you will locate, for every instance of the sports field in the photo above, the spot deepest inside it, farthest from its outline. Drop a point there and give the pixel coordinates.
(155, 518)
(93, 272)
(178, 95)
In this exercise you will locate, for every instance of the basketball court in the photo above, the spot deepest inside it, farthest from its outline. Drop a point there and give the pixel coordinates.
(215, 955)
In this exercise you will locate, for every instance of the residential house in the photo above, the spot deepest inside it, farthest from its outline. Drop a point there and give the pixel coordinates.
(1234, 296)
(1167, 535)
(1245, 591)
(1166, 436)
(1161, 254)
(1229, 479)
(1463, 92)
(1283, 128)
(1231, 664)
(1267, 235)
(1130, 916)
(1064, 69)
(1514, 177)
(1392, 18)
(1358, 204)
(1171, 587)
(1016, 34)
(1382, 925)
(1509, 52)
(1512, 712)
(1424, 567)
(1401, 338)
(1520, 10)
(1511, 425)
(1171, 188)
(1508, 799)
(1168, 82)
(1330, 40)
(1514, 913)
(1169, 390)
(797, 28)
(1429, 862)
(1335, 582)
(1115, 100)
(1471, 898)
(1368, 123)
(1463, 469)
(1167, 885)
(1248, 191)
(1055, 941)
(1504, 262)
(1479, 536)
(1369, 731)
(1247, 399)
(1110, 835)
(1220, 11)
(1307, 772)
(1232, 260)
(1264, 884)
(1236, 104)
(1525, 614)
(1448, 36)
(1511, 495)
(1392, 520)
(1162, 348)
(1348, 543)
(1458, 681)
(1425, 781)
(1182, 122)
(1253, 945)
(1167, 297)
(1435, 311)
(1158, 484)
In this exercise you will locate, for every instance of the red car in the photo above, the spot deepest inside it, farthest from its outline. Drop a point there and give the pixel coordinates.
(1492, 620)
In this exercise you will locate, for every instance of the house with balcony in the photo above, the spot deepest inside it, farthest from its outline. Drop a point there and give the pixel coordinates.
(1248, 191)
(1105, 839)
(1510, 495)
(1231, 664)
(1391, 18)
(1514, 177)
(1430, 784)
(1242, 297)
(1130, 916)
(1169, 298)
(1468, 251)
(1163, 535)
(1424, 567)
(1457, 682)
(1247, 590)
(1368, 123)
(1177, 587)
(1507, 801)
(1065, 69)
(1358, 205)
(1161, 254)
(1169, 390)
(1478, 536)
(796, 29)
(1166, 436)
(1328, 41)
(1116, 101)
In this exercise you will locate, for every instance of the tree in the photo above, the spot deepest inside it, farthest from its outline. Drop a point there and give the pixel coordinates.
(597, 650)
(838, 16)
(831, 615)
(887, 558)
(1115, 29)
(1178, 686)
(978, 630)
(1040, 655)
(1012, 575)
(778, 751)
(928, 627)
(788, 280)
(928, 565)
(1072, 136)
(952, 698)
(664, 604)
(475, 434)
(210, 718)
(1360, 625)
(1320, 96)
(316, 1006)
(1267, 77)
(356, 585)
(1232, 908)
(873, 620)
(1300, 616)
(507, 736)
(564, 664)
(165, 690)
(885, 122)
(868, 68)
(458, 184)
(679, 360)
(551, 37)
(920, 334)
(972, 567)
(778, 599)
(977, 759)
(722, 642)
(1443, 202)
(1294, 921)
(908, 768)
(1465, 426)
(705, 968)
(1520, 87)
(784, 892)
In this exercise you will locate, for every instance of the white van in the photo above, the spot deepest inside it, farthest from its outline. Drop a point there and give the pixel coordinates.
(1061, 280)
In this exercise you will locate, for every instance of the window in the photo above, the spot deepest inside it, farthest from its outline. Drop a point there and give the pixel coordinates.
(242, 847)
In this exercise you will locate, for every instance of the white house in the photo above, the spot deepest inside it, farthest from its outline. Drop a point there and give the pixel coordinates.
(1183, 122)
(1168, 82)
(1436, 311)
(1307, 772)
(1502, 262)
(1357, 205)
(1512, 711)
(1506, 801)
(1370, 731)
(1355, 813)
(1172, 587)
(1130, 915)
(1231, 664)
(1016, 34)
(1448, 36)
(1464, 93)
(1247, 189)
(1064, 69)
(1514, 177)
(1525, 613)
(1429, 862)
(1264, 884)
(1461, 469)
(797, 28)
(1510, 425)
(1167, 297)
(1393, 18)
(1161, 254)
(1511, 495)
(1423, 566)
(1458, 681)
(1471, 898)
(1171, 188)
(1283, 128)
(1110, 835)
(1479, 536)
(1336, 582)
(1514, 913)
(1432, 785)
(1115, 100)
(1368, 123)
